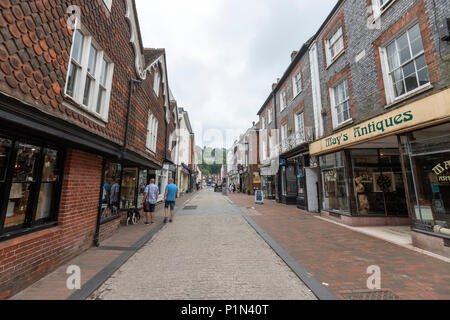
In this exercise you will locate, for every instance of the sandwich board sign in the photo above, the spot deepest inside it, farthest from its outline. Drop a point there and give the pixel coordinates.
(259, 198)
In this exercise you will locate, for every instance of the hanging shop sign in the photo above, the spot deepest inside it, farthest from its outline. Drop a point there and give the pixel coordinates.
(427, 111)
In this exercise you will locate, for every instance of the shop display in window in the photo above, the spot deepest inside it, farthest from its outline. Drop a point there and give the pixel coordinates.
(363, 201)
(30, 175)
(50, 177)
(111, 190)
(22, 181)
(129, 184)
(143, 181)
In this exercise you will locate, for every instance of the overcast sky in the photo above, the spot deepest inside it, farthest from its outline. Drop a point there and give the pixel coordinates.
(224, 55)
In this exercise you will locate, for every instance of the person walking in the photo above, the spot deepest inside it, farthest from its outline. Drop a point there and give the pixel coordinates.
(169, 199)
(151, 193)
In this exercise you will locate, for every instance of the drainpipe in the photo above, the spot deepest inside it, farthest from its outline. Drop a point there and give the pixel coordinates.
(99, 213)
(97, 227)
(127, 124)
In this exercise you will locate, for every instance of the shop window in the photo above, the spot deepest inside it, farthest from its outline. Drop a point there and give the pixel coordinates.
(90, 74)
(49, 183)
(378, 182)
(129, 185)
(428, 170)
(143, 181)
(334, 183)
(30, 183)
(111, 190)
(404, 64)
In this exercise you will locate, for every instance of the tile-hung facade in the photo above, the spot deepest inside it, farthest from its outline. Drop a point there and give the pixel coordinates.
(384, 106)
(78, 137)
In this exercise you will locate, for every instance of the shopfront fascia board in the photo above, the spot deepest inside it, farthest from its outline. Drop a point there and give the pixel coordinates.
(431, 110)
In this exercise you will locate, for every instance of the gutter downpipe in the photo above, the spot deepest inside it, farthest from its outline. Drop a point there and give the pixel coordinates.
(121, 156)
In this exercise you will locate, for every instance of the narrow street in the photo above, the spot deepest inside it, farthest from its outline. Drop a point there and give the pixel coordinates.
(208, 252)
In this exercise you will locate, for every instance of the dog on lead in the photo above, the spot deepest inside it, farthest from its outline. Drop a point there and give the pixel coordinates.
(134, 216)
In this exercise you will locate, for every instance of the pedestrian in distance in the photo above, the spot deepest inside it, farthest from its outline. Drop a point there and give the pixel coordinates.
(150, 198)
(169, 200)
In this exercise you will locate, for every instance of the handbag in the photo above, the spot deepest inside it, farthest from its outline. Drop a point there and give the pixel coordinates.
(147, 206)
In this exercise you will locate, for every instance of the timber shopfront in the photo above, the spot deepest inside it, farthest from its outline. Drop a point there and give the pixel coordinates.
(392, 170)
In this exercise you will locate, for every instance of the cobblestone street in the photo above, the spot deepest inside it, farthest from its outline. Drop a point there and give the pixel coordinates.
(208, 252)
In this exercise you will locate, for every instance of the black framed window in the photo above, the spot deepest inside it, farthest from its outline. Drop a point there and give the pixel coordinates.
(30, 184)
(111, 190)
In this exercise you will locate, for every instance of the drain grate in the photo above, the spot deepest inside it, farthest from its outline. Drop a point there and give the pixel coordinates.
(370, 295)
(190, 208)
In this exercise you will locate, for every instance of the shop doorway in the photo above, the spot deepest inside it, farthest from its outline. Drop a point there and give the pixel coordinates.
(378, 182)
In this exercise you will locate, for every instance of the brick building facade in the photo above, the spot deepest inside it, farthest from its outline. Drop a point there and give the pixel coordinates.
(83, 125)
(374, 103)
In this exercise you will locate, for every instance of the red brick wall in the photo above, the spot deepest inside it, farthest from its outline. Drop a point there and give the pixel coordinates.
(26, 259)
(108, 229)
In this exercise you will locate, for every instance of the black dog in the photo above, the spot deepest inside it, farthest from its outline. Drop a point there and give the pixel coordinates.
(134, 216)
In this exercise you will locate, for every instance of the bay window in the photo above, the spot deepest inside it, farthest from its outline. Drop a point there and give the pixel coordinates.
(90, 75)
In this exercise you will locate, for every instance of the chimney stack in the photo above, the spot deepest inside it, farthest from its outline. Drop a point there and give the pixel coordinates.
(275, 84)
(293, 54)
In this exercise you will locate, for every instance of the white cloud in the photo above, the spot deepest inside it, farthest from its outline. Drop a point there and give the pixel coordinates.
(224, 55)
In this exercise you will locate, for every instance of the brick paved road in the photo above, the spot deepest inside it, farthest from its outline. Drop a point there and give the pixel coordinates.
(209, 252)
(340, 257)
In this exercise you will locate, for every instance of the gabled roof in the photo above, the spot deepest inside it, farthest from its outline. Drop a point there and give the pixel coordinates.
(151, 55)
